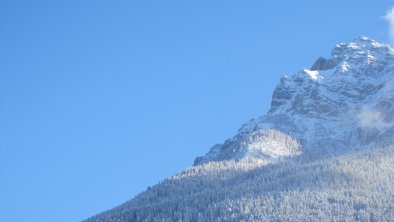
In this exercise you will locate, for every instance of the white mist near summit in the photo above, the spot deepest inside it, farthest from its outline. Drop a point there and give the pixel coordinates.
(323, 152)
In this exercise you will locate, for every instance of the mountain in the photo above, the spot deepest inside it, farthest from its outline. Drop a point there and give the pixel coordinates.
(341, 103)
(322, 152)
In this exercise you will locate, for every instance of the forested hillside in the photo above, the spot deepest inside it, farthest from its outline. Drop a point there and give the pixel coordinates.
(356, 186)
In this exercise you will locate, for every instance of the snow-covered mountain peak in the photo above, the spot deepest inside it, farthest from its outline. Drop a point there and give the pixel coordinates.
(363, 43)
(341, 102)
(355, 54)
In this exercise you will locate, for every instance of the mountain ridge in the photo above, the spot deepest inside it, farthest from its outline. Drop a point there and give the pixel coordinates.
(329, 105)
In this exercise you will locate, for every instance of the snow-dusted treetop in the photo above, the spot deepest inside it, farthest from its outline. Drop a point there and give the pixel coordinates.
(342, 102)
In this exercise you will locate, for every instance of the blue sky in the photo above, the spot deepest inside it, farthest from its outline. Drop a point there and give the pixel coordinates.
(100, 99)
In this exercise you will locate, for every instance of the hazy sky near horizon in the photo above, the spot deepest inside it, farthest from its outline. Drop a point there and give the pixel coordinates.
(100, 99)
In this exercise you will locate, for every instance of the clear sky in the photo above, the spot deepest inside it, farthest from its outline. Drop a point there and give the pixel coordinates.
(100, 99)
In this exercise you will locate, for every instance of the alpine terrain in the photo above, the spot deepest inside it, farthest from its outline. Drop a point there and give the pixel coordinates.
(323, 152)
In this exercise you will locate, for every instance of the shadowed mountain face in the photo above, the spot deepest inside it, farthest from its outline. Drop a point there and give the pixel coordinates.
(341, 103)
(323, 152)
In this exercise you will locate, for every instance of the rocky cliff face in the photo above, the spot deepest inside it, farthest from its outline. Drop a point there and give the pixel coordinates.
(341, 103)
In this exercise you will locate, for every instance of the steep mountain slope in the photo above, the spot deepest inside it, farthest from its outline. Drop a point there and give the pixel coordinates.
(322, 152)
(341, 103)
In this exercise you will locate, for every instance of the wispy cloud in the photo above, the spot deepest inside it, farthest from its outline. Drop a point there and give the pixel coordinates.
(371, 118)
(390, 18)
